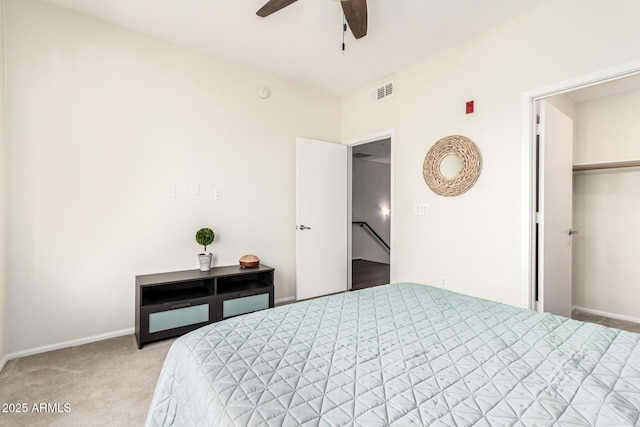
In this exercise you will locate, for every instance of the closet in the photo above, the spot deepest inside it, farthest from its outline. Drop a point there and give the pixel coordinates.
(606, 203)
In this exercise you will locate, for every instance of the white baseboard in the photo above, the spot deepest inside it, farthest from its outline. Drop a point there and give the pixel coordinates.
(286, 299)
(3, 362)
(606, 314)
(86, 340)
(72, 343)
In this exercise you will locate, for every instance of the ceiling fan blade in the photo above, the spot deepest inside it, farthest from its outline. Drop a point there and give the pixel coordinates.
(273, 6)
(355, 11)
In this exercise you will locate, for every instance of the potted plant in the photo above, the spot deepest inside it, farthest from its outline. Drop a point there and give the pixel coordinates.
(204, 237)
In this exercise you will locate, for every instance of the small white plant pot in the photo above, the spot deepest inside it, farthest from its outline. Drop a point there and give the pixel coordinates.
(205, 261)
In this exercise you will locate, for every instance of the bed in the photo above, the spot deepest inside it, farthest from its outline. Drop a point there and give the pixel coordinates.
(402, 354)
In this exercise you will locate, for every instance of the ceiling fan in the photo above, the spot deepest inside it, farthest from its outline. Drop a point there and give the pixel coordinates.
(355, 12)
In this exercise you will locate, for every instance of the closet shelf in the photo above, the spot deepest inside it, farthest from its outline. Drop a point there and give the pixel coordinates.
(609, 165)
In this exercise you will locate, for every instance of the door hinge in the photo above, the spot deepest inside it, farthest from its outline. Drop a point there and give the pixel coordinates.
(538, 128)
(538, 217)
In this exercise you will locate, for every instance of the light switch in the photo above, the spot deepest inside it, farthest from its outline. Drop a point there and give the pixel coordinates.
(171, 191)
(195, 188)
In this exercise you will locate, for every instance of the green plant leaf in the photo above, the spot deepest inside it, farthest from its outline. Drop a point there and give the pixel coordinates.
(205, 237)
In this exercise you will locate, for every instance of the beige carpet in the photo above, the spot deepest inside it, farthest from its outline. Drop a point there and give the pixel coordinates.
(106, 383)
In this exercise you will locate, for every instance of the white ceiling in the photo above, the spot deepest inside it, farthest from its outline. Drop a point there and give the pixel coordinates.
(378, 151)
(302, 42)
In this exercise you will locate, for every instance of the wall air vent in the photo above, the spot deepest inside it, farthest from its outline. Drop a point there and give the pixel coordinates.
(381, 92)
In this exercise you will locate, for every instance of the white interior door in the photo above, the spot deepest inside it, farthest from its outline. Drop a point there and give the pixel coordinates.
(555, 206)
(321, 218)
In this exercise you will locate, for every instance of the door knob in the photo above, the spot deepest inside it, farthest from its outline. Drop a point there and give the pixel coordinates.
(302, 227)
(572, 232)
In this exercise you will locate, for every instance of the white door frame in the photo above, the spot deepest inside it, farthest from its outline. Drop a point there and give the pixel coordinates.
(529, 189)
(391, 134)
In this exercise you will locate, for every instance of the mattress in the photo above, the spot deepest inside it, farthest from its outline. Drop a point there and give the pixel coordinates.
(400, 355)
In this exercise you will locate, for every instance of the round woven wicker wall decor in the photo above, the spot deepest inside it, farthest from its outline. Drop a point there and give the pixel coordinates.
(470, 165)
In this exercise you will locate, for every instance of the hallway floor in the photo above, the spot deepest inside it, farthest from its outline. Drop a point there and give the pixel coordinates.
(366, 274)
(606, 321)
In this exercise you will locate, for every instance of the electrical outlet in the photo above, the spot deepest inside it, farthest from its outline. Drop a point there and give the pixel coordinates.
(422, 209)
(443, 281)
(217, 194)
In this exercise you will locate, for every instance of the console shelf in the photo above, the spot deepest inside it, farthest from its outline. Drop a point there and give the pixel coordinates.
(174, 303)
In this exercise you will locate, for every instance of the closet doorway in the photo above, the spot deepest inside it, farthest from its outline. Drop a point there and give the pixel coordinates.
(605, 242)
(370, 209)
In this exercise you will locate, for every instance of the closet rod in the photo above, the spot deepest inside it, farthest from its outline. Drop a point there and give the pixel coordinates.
(610, 165)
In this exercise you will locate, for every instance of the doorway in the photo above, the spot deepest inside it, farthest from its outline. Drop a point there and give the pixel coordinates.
(370, 211)
(579, 98)
(324, 214)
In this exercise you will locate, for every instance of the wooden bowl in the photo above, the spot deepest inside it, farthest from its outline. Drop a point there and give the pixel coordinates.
(249, 261)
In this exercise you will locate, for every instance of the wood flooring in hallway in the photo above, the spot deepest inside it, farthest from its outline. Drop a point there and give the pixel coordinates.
(366, 274)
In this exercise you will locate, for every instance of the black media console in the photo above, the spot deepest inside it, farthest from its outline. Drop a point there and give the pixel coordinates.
(171, 304)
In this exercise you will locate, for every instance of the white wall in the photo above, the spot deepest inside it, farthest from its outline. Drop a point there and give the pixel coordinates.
(606, 271)
(607, 129)
(476, 239)
(564, 104)
(371, 190)
(100, 121)
(3, 202)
